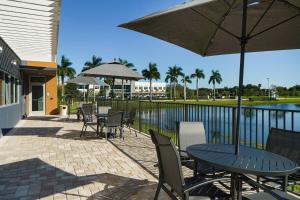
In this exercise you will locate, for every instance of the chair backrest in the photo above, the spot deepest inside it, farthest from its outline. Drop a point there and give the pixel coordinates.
(170, 171)
(190, 133)
(87, 109)
(131, 116)
(114, 118)
(285, 143)
(103, 109)
(85, 118)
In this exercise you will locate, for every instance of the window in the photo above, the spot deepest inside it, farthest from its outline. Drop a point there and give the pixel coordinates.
(16, 91)
(7, 89)
(12, 90)
(2, 90)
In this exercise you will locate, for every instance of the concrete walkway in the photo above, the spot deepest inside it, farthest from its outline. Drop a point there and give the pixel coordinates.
(44, 158)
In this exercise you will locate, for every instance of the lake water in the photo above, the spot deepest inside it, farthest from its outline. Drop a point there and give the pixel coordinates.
(255, 121)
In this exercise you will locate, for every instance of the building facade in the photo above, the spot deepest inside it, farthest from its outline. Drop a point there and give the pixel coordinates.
(28, 60)
(142, 89)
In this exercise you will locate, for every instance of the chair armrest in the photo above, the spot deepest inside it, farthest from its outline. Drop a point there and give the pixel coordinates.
(196, 185)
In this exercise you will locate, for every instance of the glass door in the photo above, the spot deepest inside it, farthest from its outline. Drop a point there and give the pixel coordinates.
(37, 99)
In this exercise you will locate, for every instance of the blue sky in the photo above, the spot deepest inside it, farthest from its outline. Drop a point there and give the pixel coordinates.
(89, 28)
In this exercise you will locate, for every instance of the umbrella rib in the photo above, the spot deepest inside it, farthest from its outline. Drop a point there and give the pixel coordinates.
(294, 6)
(223, 29)
(219, 25)
(274, 26)
(261, 18)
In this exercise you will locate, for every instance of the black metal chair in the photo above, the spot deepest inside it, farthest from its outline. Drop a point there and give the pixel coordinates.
(114, 121)
(190, 133)
(171, 178)
(287, 144)
(87, 120)
(129, 120)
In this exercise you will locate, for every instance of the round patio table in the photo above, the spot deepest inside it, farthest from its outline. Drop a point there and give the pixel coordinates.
(249, 161)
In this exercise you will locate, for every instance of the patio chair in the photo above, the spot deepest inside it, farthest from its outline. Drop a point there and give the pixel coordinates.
(287, 144)
(88, 109)
(87, 120)
(171, 178)
(114, 121)
(78, 113)
(129, 120)
(191, 133)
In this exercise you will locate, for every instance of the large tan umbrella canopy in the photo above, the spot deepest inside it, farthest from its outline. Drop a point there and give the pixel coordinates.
(217, 27)
(84, 80)
(114, 70)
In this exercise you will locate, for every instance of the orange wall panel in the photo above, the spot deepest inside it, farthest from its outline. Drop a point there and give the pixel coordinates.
(41, 64)
(51, 95)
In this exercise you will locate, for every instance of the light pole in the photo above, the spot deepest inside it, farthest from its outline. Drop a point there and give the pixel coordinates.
(269, 88)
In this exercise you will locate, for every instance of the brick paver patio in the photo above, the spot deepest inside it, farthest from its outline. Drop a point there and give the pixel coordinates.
(44, 158)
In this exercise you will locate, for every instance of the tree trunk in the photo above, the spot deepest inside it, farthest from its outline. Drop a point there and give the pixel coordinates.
(150, 89)
(184, 91)
(197, 88)
(170, 90)
(174, 92)
(214, 92)
(62, 87)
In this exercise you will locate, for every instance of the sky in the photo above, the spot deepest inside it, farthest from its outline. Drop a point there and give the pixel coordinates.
(90, 27)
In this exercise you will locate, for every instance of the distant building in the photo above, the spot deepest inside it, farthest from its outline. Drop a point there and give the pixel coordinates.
(142, 89)
(139, 89)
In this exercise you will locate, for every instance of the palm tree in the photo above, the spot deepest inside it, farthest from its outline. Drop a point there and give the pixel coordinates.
(198, 75)
(169, 78)
(185, 80)
(151, 73)
(95, 62)
(215, 78)
(175, 72)
(127, 64)
(64, 70)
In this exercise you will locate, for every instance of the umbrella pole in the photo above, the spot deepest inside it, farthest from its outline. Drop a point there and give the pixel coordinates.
(122, 89)
(241, 77)
(84, 92)
(94, 93)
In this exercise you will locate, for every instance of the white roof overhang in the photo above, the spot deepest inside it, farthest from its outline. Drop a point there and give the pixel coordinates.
(30, 28)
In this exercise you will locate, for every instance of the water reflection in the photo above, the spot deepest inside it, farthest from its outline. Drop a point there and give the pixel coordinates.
(218, 121)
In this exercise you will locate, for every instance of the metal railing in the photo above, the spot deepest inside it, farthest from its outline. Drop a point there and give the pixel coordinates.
(218, 120)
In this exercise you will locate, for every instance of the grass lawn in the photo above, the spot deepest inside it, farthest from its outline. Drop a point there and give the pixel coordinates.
(232, 102)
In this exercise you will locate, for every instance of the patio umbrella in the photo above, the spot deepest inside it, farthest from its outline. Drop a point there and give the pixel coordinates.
(83, 80)
(217, 27)
(114, 70)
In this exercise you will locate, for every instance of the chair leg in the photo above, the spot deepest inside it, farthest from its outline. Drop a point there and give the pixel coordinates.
(195, 168)
(157, 191)
(129, 129)
(82, 131)
(257, 181)
(85, 129)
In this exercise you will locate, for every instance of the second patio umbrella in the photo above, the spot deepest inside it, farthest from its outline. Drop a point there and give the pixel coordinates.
(216, 27)
(83, 80)
(114, 70)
